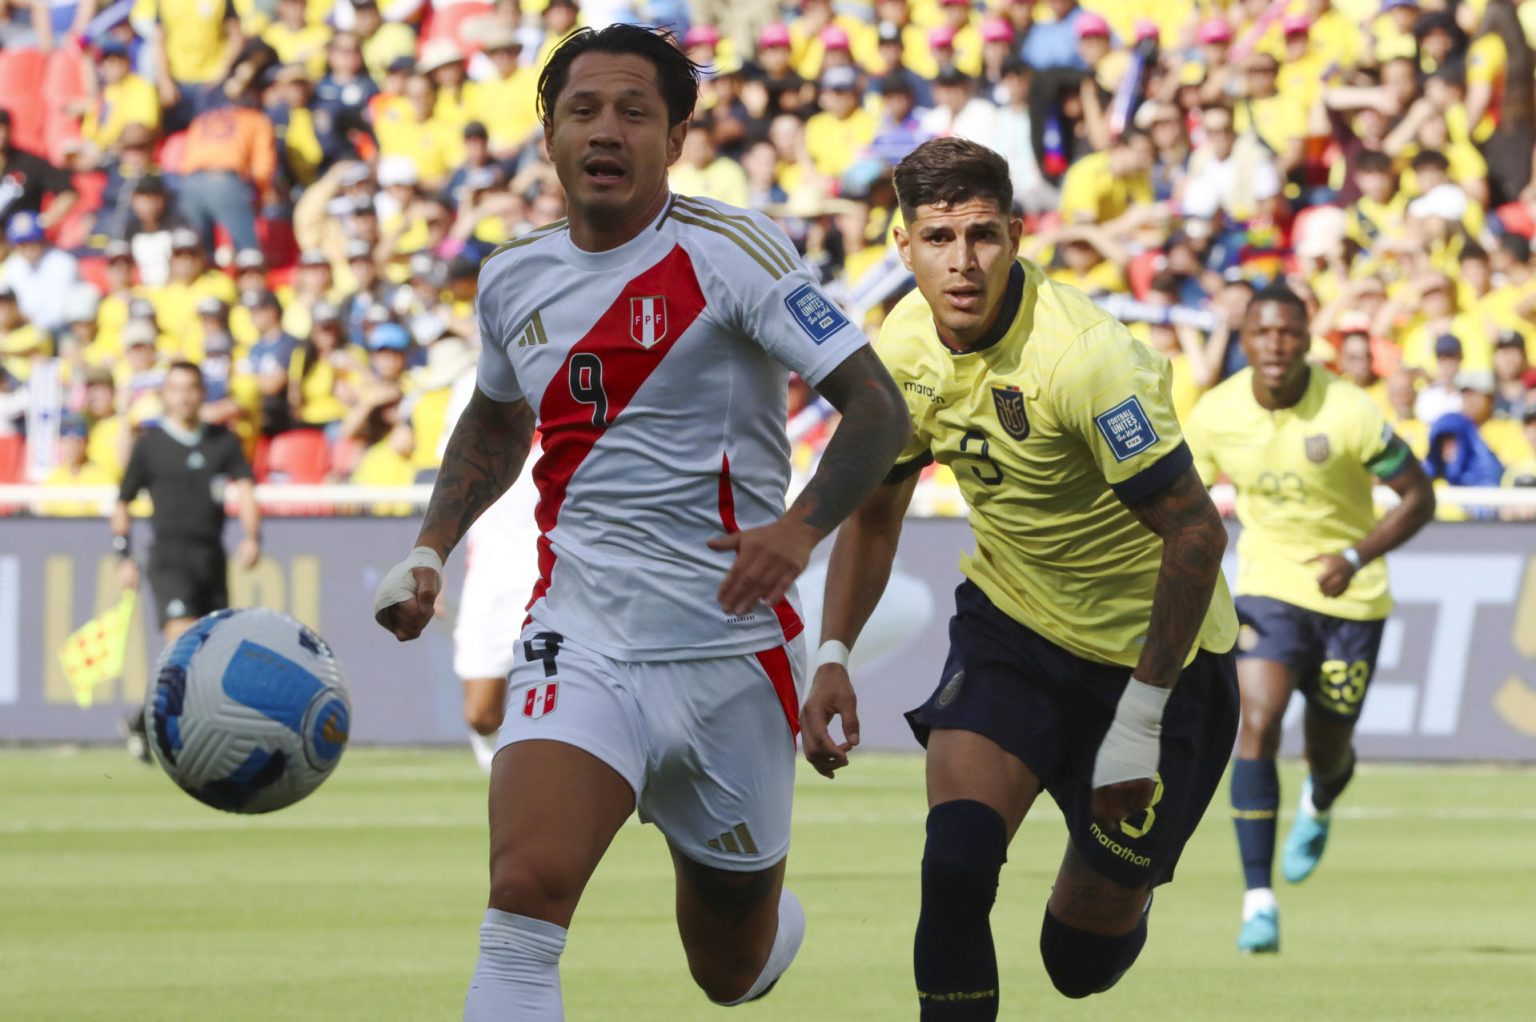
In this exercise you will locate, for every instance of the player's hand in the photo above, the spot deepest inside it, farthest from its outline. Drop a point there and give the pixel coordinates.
(768, 560)
(128, 575)
(248, 552)
(1114, 802)
(1334, 575)
(831, 696)
(407, 596)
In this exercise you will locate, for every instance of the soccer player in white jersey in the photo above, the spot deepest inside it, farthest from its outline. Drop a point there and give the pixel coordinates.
(650, 340)
(500, 571)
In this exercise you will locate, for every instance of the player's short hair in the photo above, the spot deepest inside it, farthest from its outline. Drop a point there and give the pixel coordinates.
(1282, 295)
(1431, 159)
(183, 366)
(949, 171)
(1472, 252)
(1373, 162)
(676, 76)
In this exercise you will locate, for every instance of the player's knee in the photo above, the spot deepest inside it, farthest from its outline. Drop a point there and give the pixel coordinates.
(483, 719)
(1259, 737)
(1082, 963)
(966, 847)
(522, 886)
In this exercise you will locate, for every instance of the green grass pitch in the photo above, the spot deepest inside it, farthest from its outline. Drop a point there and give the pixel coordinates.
(122, 898)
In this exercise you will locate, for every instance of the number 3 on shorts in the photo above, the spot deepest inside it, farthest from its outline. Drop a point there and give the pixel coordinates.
(1148, 816)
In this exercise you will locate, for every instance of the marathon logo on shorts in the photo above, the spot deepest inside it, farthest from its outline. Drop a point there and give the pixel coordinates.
(1127, 429)
(648, 320)
(539, 700)
(815, 313)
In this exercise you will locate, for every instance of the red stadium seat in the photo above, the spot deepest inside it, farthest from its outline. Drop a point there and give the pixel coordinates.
(172, 153)
(299, 456)
(449, 22)
(345, 456)
(20, 73)
(63, 85)
(72, 231)
(13, 457)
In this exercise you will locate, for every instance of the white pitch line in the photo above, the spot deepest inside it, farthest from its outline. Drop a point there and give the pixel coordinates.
(818, 818)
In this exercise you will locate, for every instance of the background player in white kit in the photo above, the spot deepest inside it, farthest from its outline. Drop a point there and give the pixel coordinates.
(500, 570)
(650, 340)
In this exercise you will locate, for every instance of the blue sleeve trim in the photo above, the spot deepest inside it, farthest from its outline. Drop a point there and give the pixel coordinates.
(1156, 477)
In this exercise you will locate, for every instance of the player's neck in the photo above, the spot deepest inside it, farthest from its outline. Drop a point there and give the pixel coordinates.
(1288, 396)
(601, 234)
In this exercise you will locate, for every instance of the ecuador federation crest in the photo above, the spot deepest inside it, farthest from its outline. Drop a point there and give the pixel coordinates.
(1317, 448)
(1009, 402)
(648, 320)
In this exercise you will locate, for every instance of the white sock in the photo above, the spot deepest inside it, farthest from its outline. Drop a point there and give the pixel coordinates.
(785, 944)
(485, 749)
(1257, 899)
(1307, 806)
(518, 973)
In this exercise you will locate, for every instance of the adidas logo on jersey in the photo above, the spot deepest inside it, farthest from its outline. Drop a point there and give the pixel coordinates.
(738, 839)
(532, 333)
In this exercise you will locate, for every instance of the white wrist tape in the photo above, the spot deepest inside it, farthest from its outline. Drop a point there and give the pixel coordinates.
(832, 652)
(400, 585)
(1352, 555)
(1131, 747)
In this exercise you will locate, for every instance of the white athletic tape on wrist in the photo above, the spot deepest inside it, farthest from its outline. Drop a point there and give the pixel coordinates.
(400, 585)
(1352, 555)
(832, 652)
(1132, 745)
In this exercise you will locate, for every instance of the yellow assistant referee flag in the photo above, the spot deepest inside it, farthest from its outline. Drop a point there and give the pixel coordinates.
(93, 654)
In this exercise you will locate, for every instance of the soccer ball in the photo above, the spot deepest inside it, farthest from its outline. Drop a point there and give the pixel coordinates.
(248, 711)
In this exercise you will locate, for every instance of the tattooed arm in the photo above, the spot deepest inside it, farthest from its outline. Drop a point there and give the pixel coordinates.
(484, 456)
(873, 430)
(1193, 542)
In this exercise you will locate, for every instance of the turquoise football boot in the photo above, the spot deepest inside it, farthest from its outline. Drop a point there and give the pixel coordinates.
(1260, 933)
(1306, 841)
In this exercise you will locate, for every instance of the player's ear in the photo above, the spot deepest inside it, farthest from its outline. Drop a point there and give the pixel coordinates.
(903, 245)
(549, 140)
(1015, 234)
(675, 136)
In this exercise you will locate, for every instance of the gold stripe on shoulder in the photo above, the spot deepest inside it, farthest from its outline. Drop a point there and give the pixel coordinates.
(725, 232)
(537, 234)
(747, 227)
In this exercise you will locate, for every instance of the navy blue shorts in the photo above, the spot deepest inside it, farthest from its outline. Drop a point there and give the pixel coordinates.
(1051, 708)
(1334, 658)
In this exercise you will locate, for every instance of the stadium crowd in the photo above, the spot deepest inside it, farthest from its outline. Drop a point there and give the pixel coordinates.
(296, 195)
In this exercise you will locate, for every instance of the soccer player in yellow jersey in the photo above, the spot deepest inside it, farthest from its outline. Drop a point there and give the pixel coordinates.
(1094, 589)
(1303, 447)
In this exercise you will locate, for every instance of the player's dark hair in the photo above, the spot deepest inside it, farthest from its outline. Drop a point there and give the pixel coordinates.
(1281, 295)
(949, 171)
(1431, 159)
(183, 366)
(1472, 252)
(676, 76)
(1373, 162)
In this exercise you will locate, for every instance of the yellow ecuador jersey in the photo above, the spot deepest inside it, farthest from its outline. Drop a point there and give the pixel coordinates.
(1047, 429)
(1304, 477)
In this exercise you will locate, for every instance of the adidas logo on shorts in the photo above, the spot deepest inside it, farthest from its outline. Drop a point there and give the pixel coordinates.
(738, 839)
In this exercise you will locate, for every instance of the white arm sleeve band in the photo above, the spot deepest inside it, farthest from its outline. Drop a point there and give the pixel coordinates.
(1132, 744)
(400, 585)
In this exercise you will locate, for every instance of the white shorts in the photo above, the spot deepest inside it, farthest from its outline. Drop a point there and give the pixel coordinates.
(707, 745)
(492, 607)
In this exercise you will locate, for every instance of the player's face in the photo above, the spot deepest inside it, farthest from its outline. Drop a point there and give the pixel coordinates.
(961, 256)
(182, 395)
(1275, 340)
(610, 142)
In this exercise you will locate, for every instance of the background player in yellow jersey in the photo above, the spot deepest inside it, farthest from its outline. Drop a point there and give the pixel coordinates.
(1095, 587)
(1302, 447)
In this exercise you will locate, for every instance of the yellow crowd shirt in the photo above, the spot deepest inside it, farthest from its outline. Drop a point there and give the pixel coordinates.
(1089, 192)
(193, 35)
(1047, 430)
(1304, 476)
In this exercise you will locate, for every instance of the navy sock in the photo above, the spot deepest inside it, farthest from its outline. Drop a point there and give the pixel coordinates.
(1255, 801)
(1082, 963)
(1326, 792)
(953, 958)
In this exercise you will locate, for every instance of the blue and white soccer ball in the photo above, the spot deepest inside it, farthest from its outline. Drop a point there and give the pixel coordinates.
(248, 711)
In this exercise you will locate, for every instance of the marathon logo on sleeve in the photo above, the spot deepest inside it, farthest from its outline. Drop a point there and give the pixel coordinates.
(815, 313)
(1127, 429)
